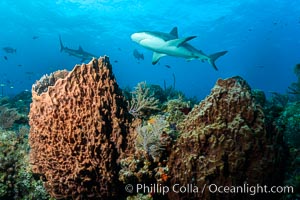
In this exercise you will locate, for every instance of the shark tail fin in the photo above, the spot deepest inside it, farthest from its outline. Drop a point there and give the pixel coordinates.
(61, 44)
(214, 57)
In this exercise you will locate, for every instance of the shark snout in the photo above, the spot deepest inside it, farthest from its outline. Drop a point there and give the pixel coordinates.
(138, 37)
(135, 37)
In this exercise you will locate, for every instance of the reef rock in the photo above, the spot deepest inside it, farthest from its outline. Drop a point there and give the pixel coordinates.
(224, 142)
(78, 129)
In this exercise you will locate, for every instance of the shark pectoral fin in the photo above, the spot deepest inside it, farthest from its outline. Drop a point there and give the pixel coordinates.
(156, 56)
(180, 41)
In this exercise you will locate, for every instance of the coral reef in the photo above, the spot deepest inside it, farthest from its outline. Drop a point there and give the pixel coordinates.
(223, 141)
(43, 84)
(78, 129)
(14, 110)
(87, 141)
(294, 88)
(289, 122)
(292, 174)
(16, 180)
(140, 197)
(278, 99)
(142, 101)
(8, 116)
(149, 136)
(259, 97)
(176, 109)
(147, 152)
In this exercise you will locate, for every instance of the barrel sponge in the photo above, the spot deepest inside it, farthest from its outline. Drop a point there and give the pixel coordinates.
(224, 142)
(78, 130)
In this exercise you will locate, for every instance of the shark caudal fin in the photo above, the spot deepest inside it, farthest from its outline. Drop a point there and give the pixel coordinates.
(214, 57)
(61, 44)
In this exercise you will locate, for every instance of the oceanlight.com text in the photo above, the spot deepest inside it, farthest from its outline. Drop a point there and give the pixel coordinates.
(250, 189)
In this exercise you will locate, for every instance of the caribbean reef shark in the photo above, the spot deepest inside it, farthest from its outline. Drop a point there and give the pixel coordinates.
(163, 44)
(79, 53)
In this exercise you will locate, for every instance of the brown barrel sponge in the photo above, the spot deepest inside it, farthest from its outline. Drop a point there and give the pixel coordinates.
(78, 130)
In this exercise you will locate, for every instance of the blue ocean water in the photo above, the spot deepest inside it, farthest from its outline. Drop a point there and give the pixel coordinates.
(262, 38)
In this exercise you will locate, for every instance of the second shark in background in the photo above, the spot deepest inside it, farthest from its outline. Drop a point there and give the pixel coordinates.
(79, 53)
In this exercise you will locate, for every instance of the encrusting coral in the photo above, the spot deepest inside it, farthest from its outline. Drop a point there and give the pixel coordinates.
(223, 141)
(78, 129)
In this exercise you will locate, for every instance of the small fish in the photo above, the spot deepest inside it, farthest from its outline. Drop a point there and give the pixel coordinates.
(19, 65)
(35, 37)
(168, 66)
(138, 55)
(5, 57)
(9, 50)
(116, 61)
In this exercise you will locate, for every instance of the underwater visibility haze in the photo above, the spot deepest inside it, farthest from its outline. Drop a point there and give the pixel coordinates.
(183, 97)
(261, 37)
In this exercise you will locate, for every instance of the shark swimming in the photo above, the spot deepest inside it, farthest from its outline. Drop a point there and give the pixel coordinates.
(79, 53)
(168, 44)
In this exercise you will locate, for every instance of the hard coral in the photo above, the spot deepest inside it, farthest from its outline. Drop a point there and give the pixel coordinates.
(78, 131)
(223, 141)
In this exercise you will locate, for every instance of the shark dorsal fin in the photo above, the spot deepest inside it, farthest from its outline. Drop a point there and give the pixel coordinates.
(180, 41)
(80, 48)
(156, 56)
(174, 32)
